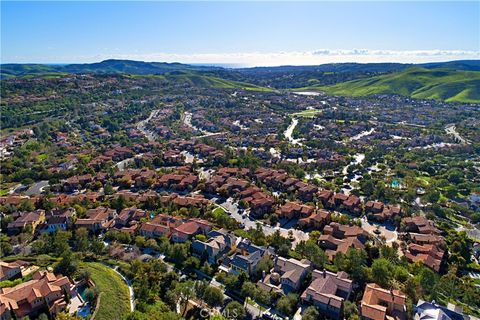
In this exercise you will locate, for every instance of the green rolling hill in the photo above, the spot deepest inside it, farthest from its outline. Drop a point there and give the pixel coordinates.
(106, 66)
(202, 76)
(211, 82)
(421, 83)
(454, 81)
(205, 81)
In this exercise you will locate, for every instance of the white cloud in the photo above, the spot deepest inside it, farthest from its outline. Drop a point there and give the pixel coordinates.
(283, 58)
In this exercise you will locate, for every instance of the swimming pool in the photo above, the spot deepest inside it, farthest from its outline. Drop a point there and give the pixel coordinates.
(81, 291)
(395, 183)
(86, 309)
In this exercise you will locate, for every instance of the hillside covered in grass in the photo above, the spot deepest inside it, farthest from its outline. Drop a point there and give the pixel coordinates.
(202, 80)
(420, 83)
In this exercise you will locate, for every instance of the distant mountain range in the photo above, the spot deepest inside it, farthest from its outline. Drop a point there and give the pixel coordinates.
(141, 67)
(450, 81)
(106, 66)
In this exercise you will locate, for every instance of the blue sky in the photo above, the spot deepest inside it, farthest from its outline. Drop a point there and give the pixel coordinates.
(251, 33)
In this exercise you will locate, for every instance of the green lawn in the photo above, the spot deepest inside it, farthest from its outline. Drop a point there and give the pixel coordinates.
(217, 212)
(42, 157)
(309, 113)
(115, 298)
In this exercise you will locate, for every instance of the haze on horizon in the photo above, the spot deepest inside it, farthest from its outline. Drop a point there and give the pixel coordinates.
(241, 33)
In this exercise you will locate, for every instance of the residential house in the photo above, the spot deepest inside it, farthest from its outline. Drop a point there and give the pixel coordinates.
(145, 178)
(119, 153)
(187, 230)
(291, 210)
(196, 201)
(332, 245)
(160, 226)
(96, 219)
(428, 254)
(127, 215)
(259, 202)
(58, 219)
(13, 199)
(77, 182)
(27, 299)
(432, 311)
(178, 181)
(218, 243)
(340, 231)
(379, 304)
(374, 207)
(317, 220)
(324, 196)
(422, 239)
(128, 219)
(9, 270)
(306, 191)
(245, 259)
(328, 291)
(378, 211)
(286, 276)
(353, 204)
(420, 224)
(26, 219)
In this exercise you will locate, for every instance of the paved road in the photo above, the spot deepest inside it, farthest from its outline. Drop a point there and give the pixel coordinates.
(187, 120)
(232, 208)
(130, 288)
(142, 126)
(289, 133)
(390, 235)
(452, 130)
(36, 188)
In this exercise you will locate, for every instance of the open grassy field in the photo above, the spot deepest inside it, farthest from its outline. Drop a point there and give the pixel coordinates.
(309, 113)
(115, 298)
(420, 83)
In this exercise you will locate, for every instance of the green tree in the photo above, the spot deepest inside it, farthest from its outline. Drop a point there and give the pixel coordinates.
(67, 265)
(140, 241)
(91, 294)
(287, 304)
(310, 250)
(382, 272)
(350, 310)
(213, 296)
(66, 316)
(182, 292)
(427, 280)
(235, 310)
(265, 264)
(310, 313)
(81, 239)
(59, 244)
